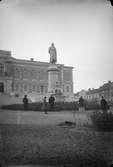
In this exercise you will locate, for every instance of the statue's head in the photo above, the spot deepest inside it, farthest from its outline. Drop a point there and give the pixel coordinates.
(52, 44)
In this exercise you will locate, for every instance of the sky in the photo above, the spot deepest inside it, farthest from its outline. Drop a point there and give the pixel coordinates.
(82, 31)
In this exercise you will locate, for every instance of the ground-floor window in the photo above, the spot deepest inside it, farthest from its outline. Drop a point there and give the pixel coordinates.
(42, 89)
(1, 87)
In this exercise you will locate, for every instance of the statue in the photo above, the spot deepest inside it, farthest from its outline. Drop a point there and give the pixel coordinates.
(53, 54)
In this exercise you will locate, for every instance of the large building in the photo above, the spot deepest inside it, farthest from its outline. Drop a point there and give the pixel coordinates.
(19, 77)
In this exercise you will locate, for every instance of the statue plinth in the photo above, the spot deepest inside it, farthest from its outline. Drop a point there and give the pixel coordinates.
(53, 83)
(59, 98)
(52, 78)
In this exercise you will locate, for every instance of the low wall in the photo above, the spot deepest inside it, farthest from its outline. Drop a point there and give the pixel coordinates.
(8, 99)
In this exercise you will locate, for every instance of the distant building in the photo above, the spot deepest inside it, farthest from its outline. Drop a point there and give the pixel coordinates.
(93, 94)
(76, 96)
(105, 90)
(19, 77)
(82, 93)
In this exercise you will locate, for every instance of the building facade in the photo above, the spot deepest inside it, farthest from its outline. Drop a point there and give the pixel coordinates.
(19, 77)
(106, 90)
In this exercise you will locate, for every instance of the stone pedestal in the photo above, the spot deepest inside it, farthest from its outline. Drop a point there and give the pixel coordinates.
(53, 83)
(59, 97)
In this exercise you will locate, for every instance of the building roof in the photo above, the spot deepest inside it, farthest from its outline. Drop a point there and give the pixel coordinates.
(7, 54)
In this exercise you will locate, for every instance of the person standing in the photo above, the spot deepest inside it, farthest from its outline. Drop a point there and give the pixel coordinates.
(104, 105)
(25, 102)
(51, 102)
(81, 104)
(44, 106)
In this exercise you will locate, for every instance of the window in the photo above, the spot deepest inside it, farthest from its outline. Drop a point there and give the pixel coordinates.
(17, 73)
(71, 88)
(42, 89)
(63, 89)
(38, 90)
(30, 88)
(34, 75)
(67, 75)
(21, 87)
(16, 87)
(34, 88)
(25, 74)
(1, 87)
(42, 75)
(67, 88)
(25, 87)
(1, 69)
(45, 89)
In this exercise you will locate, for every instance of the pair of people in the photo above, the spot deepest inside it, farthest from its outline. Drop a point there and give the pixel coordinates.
(51, 103)
(103, 103)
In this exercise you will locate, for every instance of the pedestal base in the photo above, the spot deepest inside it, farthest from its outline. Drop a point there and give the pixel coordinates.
(59, 98)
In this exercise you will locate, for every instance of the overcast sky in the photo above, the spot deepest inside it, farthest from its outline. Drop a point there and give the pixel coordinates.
(82, 31)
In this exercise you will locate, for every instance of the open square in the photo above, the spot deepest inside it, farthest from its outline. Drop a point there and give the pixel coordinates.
(37, 138)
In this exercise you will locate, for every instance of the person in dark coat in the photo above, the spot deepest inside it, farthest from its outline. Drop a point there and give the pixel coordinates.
(104, 105)
(81, 104)
(44, 106)
(51, 102)
(25, 102)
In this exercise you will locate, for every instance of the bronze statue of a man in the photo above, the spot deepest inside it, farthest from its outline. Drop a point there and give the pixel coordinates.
(53, 54)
